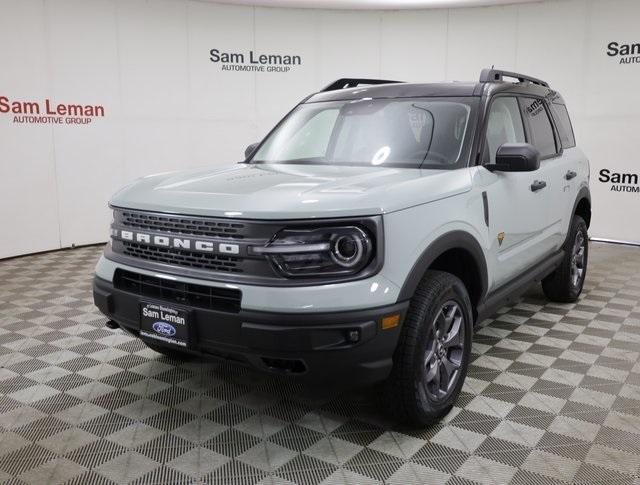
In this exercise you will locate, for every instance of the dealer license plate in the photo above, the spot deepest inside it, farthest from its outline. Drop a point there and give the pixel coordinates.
(164, 323)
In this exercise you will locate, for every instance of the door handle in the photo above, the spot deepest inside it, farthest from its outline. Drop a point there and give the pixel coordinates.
(570, 174)
(538, 185)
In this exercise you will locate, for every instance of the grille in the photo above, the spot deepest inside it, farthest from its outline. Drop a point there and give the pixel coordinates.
(182, 225)
(220, 299)
(181, 257)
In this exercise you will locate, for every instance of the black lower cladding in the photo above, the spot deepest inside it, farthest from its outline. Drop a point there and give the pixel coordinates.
(349, 344)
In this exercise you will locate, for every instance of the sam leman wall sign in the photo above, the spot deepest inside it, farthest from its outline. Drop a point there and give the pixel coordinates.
(49, 112)
(254, 61)
(620, 182)
(626, 53)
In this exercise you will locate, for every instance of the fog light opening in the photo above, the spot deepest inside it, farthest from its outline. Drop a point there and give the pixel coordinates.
(353, 336)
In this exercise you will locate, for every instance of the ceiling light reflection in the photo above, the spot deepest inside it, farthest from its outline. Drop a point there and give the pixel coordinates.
(381, 156)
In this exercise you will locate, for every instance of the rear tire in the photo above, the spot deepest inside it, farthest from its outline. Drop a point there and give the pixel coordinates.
(565, 283)
(173, 354)
(432, 356)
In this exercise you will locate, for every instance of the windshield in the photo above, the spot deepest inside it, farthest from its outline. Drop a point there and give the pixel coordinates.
(416, 133)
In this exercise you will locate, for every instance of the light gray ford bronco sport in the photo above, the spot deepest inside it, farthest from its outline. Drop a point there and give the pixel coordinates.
(363, 238)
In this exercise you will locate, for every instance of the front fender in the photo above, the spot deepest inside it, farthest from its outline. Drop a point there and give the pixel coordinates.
(450, 240)
(416, 236)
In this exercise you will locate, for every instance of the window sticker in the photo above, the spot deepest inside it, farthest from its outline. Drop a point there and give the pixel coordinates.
(417, 120)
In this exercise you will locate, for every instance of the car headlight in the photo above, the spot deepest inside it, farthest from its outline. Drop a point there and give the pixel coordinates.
(322, 251)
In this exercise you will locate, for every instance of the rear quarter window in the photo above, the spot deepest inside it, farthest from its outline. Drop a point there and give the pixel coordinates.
(563, 122)
(539, 127)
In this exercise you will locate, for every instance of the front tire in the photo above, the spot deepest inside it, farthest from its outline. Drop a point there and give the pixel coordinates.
(565, 284)
(432, 356)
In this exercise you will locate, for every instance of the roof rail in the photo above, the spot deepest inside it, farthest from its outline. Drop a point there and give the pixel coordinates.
(349, 82)
(492, 75)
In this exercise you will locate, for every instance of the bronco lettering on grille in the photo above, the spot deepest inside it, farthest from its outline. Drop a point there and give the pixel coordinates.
(175, 242)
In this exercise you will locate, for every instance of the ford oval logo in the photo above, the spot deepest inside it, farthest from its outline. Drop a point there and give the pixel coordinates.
(164, 329)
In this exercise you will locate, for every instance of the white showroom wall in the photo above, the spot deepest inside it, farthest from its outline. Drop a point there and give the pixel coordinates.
(167, 106)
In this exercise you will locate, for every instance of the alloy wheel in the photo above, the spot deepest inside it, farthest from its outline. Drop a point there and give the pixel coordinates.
(444, 351)
(577, 259)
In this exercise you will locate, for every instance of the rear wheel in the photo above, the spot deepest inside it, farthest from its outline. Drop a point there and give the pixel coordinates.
(431, 359)
(566, 282)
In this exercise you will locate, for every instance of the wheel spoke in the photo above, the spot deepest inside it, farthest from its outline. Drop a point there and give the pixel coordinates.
(430, 353)
(450, 317)
(450, 365)
(448, 368)
(441, 324)
(432, 371)
(453, 338)
(436, 378)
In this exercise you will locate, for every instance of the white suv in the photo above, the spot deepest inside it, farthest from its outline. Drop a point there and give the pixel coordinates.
(362, 239)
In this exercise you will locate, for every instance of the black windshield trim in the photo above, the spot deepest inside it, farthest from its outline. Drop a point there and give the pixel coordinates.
(360, 164)
(430, 96)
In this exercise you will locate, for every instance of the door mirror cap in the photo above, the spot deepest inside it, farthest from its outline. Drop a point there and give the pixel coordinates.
(250, 149)
(516, 157)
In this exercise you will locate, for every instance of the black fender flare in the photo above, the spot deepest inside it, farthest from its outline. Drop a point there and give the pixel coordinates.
(583, 193)
(450, 240)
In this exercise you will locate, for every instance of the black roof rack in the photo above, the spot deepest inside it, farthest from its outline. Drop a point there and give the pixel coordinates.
(492, 75)
(349, 82)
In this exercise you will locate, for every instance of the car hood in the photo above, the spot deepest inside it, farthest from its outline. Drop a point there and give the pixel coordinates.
(288, 191)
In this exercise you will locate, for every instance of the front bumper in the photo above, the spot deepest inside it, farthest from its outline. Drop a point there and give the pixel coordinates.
(377, 291)
(315, 345)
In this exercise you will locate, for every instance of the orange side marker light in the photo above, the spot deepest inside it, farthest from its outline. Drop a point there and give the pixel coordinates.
(391, 321)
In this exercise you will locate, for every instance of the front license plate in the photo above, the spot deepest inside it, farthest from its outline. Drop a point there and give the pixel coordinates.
(160, 322)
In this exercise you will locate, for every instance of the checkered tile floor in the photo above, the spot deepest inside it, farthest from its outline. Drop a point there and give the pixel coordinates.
(552, 396)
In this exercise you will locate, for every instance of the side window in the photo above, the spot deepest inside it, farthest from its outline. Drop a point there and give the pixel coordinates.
(504, 125)
(540, 128)
(563, 122)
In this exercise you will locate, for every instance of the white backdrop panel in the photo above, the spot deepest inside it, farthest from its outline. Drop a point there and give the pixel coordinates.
(275, 94)
(28, 188)
(479, 38)
(414, 45)
(168, 107)
(610, 124)
(84, 69)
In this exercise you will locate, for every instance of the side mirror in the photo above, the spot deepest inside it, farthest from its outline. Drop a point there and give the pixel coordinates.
(250, 149)
(516, 157)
